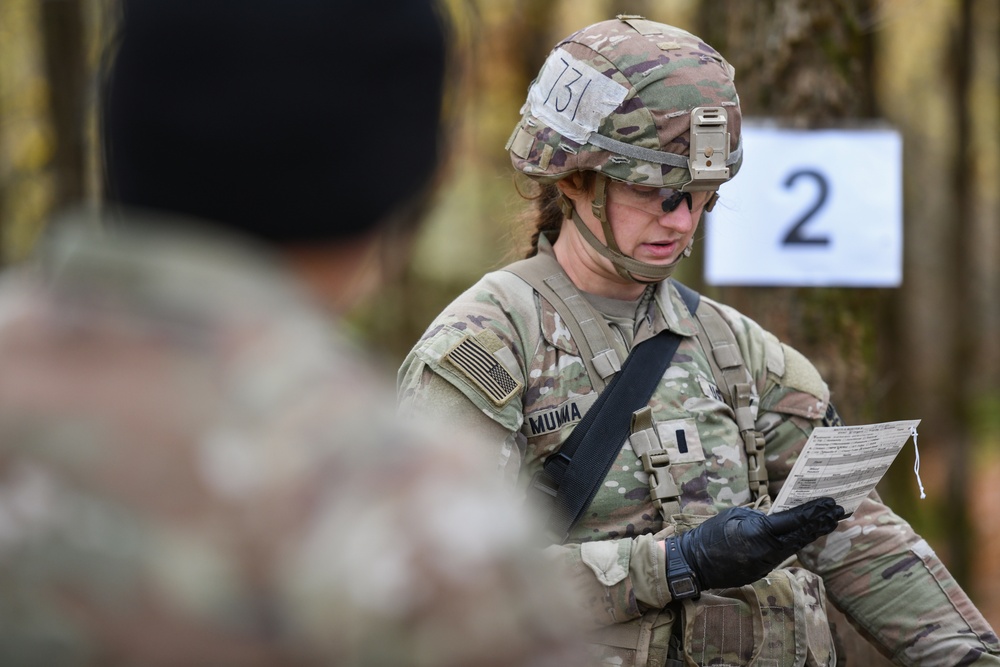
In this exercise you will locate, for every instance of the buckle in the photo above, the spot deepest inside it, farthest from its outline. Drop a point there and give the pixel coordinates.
(655, 459)
(544, 483)
(661, 484)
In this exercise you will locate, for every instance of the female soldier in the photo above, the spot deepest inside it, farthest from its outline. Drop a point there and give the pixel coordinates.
(629, 129)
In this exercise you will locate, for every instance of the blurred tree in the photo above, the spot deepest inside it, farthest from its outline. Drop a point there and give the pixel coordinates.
(26, 134)
(929, 349)
(963, 342)
(948, 357)
(809, 64)
(63, 37)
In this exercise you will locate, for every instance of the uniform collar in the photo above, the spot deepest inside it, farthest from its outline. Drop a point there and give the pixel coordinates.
(671, 311)
(545, 245)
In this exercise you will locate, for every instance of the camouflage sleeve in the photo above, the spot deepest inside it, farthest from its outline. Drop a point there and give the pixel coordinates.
(425, 394)
(615, 580)
(478, 345)
(794, 401)
(468, 370)
(890, 584)
(877, 570)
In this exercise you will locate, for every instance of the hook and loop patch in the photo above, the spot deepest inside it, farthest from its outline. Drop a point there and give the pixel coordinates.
(474, 357)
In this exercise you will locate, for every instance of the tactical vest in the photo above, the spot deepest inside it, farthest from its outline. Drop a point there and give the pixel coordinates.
(595, 340)
(777, 621)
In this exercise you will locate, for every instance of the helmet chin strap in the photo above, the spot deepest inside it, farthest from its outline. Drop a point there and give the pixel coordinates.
(628, 268)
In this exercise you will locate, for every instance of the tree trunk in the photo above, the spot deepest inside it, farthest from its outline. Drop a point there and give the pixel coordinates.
(67, 69)
(810, 64)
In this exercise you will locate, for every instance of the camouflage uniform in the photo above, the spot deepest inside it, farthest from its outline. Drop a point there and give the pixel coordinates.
(647, 104)
(874, 567)
(196, 469)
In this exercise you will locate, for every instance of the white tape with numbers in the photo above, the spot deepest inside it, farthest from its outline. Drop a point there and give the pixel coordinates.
(573, 97)
(810, 208)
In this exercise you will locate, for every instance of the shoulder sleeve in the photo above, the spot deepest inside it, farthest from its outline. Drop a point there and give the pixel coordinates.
(786, 381)
(794, 385)
(478, 345)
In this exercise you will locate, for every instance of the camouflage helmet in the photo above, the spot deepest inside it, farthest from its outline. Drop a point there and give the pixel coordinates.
(632, 99)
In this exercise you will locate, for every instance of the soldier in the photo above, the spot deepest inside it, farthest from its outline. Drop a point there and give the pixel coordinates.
(628, 131)
(197, 467)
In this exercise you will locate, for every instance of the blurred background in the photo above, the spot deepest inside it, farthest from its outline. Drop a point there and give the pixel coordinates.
(928, 350)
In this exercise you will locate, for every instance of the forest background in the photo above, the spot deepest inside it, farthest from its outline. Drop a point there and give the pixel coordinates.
(929, 349)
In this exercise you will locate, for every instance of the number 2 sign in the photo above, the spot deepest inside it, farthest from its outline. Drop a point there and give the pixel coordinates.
(810, 207)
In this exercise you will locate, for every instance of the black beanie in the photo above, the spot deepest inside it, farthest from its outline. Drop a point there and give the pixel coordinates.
(295, 121)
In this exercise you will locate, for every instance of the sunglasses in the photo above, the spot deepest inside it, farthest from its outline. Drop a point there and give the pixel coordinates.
(656, 201)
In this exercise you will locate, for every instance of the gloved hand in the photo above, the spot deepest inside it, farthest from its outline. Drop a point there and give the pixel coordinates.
(740, 545)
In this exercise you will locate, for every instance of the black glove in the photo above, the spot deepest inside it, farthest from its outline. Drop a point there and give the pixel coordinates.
(739, 545)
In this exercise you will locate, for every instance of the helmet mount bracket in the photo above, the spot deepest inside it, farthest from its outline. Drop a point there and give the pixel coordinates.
(709, 154)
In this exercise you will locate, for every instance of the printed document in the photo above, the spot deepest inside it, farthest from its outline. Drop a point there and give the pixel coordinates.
(844, 463)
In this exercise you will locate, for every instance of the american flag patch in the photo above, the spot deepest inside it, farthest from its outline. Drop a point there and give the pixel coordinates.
(478, 364)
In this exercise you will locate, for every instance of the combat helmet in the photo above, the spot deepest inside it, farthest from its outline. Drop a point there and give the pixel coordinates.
(635, 101)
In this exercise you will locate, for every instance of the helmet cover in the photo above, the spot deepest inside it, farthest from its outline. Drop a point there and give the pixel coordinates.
(630, 85)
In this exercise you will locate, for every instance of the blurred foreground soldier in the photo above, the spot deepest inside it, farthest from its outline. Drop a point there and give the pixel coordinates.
(195, 468)
(629, 131)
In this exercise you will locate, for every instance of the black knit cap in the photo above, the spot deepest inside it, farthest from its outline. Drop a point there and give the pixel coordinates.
(295, 121)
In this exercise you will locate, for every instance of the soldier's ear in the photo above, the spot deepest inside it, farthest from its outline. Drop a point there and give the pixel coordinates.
(576, 185)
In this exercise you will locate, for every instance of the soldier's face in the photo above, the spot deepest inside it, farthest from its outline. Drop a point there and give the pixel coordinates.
(653, 225)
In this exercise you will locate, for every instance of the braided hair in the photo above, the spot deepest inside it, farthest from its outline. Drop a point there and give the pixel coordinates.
(548, 213)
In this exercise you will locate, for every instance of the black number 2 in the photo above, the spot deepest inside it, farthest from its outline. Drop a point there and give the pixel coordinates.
(796, 235)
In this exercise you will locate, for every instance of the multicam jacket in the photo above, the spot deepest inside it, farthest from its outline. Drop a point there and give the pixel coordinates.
(196, 468)
(874, 567)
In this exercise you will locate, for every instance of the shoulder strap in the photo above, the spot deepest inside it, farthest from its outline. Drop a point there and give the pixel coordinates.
(589, 330)
(729, 369)
(576, 471)
(574, 485)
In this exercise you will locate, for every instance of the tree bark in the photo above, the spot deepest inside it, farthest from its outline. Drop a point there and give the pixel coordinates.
(810, 65)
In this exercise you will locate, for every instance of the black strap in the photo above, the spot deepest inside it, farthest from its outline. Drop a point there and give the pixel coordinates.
(576, 471)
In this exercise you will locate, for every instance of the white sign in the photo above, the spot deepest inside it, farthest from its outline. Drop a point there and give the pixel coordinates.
(810, 208)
